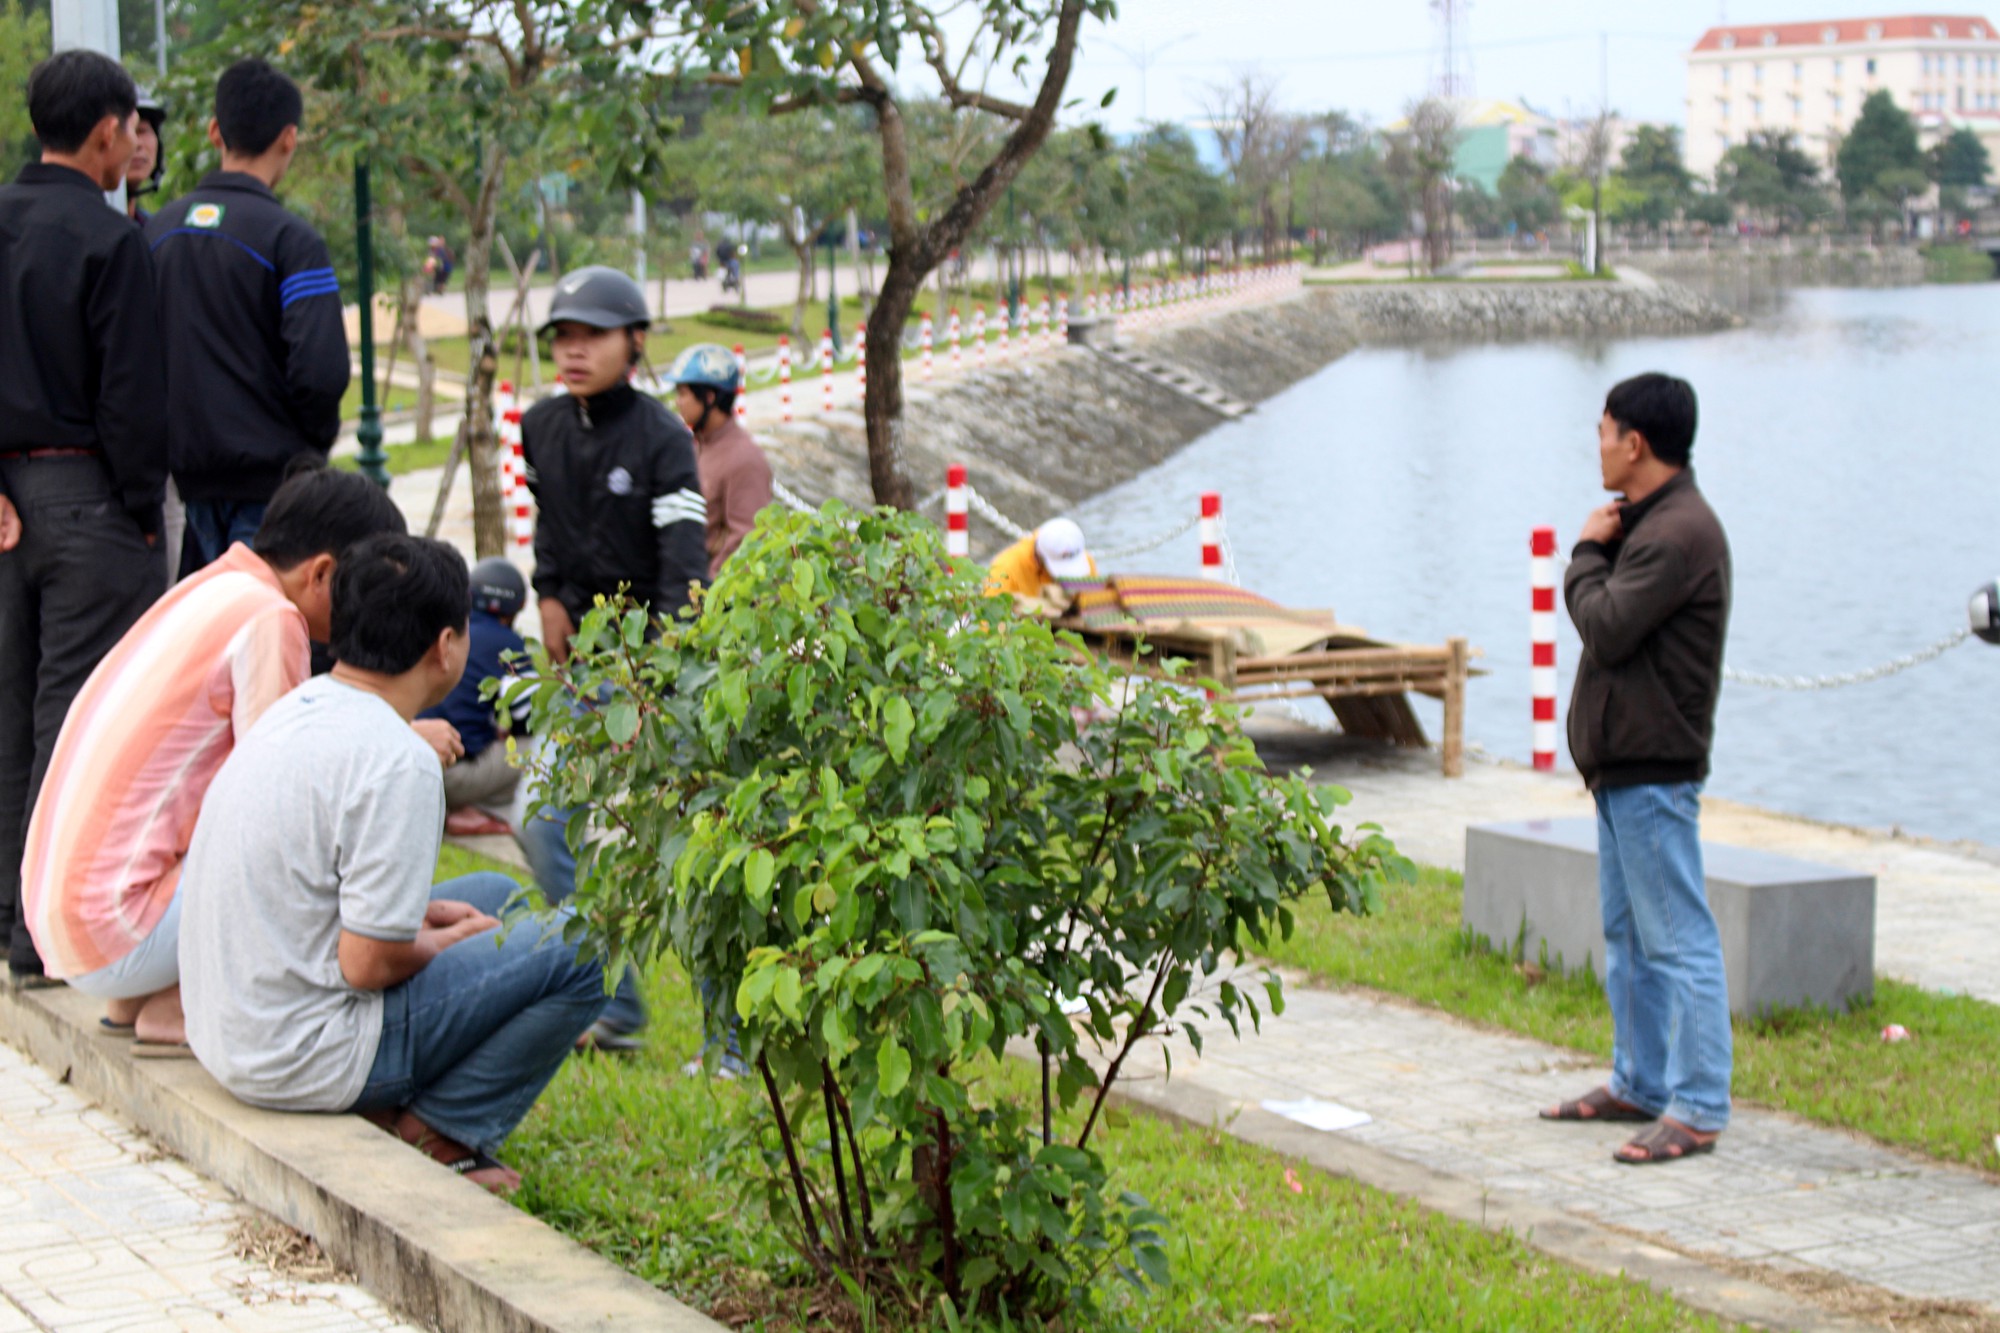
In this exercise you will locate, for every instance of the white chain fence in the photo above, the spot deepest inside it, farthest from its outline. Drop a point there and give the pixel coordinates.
(1834, 682)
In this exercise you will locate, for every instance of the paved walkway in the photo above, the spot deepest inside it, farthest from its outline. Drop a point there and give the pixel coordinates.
(103, 1234)
(1461, 1101)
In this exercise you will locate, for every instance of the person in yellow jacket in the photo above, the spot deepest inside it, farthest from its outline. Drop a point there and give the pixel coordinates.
(1051, 554)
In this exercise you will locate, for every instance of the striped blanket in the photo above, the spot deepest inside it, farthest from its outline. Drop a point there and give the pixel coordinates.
(1163, 603)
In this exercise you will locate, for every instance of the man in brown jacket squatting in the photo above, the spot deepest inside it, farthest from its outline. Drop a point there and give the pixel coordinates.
(1648, 587)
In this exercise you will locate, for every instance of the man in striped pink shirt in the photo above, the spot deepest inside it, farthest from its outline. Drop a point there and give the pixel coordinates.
(150, 729)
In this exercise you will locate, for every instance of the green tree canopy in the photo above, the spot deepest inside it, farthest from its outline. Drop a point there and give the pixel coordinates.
(1651, 165)
(1526, 198)
(1769, 173)
(1883, 140)
(1960, 160)
(24, 39)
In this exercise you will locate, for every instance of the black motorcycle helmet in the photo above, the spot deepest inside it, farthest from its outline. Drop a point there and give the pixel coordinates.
(598, 296)
(498, 588)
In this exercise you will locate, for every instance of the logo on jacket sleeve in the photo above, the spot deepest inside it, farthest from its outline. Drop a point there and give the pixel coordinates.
(205, 215)
(620, 481)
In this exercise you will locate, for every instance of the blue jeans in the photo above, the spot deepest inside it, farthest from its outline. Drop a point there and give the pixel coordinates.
(470, 1042)
(213, 526)
(542, 840)
(1671, 1044)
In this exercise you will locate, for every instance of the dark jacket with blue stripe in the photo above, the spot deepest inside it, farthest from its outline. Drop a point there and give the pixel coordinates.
(256, 346)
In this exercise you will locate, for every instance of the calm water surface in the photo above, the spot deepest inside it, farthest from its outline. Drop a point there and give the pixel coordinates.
(1846, 442)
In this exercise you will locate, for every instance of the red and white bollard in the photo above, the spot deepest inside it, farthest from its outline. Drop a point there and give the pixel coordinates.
(979, 336)
(1046, 320)
(1211, 535)
(861, 365)
(785, 374)
(521, 512)
(742, 384)
(826, 370)
(957, 536)
(1006, 322)
(927, 348)
(1062, 320)
(951, 336)
(1542, 630)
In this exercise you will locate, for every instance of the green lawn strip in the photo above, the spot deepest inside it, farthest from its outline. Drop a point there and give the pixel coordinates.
(614, 1156)
(1957, 263)
(1936, 1093)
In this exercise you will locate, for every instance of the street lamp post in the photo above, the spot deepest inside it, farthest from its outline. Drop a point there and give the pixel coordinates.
(832, 288)
(374, 463)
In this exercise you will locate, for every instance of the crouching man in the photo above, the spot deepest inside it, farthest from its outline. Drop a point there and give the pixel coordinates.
(320, 969)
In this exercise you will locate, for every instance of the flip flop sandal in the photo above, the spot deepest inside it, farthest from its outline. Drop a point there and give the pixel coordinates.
(107, 1028)
(1602, 1106)
(1663, 1143)
(162, 1050)
(479, 1161)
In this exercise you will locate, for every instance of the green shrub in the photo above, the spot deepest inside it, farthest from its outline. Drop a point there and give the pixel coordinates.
(897, 828)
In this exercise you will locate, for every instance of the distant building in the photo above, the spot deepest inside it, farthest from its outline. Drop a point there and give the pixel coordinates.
(1811, 78)
(1492, 133)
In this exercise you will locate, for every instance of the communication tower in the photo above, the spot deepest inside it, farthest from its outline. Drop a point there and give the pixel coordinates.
(1451, 58)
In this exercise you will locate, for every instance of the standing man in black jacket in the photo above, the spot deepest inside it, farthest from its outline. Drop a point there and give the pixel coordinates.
(1648, 587)
(256, 345)
(83, 453)
(619, 498)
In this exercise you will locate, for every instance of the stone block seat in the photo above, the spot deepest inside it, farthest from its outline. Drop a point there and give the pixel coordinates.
(1793, 933)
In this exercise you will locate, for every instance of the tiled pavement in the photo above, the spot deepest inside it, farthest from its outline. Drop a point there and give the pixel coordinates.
(1462, 1101)
(101, 1234)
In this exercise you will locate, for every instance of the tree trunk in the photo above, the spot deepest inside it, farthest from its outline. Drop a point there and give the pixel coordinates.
(916, 247)
(489, 533)
(802, 250)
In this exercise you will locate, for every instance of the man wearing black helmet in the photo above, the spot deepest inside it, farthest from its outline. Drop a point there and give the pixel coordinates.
(612, 470)
(619, 507)
(483, 783)
(149, 163)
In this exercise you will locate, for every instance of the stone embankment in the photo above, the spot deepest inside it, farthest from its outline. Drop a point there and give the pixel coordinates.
(1856, 266)
(1041, 436)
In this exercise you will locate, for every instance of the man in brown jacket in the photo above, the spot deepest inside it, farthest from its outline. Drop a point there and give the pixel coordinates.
(735, 475)
(1648, 587)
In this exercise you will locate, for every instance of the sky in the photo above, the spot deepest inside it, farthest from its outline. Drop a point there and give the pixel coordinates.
(1372, 56)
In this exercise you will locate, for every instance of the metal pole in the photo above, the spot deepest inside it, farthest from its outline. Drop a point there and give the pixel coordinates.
(160, 37)
(374, 463)
(832, 290)
(638, 237)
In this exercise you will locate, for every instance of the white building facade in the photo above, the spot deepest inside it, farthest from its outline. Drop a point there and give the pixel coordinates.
(1811, 78)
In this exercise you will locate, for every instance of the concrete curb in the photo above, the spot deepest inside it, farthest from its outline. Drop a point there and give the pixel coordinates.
(1564, 1236)
(433, 1246)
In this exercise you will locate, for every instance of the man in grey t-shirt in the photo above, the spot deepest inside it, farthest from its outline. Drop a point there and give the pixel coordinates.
(320, 969)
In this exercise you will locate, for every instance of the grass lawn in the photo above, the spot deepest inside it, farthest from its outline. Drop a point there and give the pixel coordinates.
(1938, 1093)
(405, 457)
(615, 1156)
(1957, 263)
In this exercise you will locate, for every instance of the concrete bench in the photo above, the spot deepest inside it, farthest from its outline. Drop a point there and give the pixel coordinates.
(1793, 933)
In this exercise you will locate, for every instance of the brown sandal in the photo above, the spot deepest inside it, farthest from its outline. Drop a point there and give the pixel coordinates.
(1598, 1104)
(1664, 1142)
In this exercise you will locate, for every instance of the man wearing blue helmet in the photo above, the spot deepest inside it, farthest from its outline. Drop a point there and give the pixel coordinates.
(735, 475)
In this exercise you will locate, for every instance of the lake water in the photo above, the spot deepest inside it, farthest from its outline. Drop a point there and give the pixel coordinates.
(1846, 441)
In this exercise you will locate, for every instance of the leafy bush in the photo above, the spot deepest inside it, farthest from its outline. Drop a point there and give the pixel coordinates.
(896, 828)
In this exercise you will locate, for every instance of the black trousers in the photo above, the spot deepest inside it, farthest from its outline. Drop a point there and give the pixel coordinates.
(81, 575)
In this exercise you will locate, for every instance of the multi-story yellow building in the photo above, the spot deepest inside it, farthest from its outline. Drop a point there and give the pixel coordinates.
(1811, 78)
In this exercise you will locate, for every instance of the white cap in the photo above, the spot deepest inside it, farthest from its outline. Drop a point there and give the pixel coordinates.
(1059, 543)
